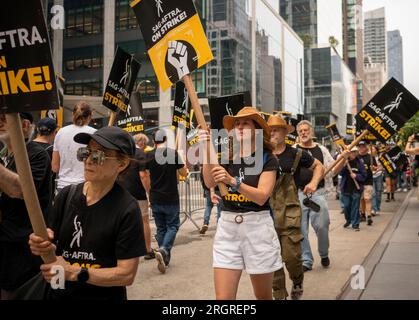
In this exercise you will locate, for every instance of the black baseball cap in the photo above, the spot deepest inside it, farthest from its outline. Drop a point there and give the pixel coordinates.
(111, 138)
(47, 126)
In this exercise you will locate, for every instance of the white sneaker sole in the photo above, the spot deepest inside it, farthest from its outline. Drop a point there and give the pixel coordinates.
(160, 262)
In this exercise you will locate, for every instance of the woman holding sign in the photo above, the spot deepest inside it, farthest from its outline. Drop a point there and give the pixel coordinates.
(246, 237)
(96, 229)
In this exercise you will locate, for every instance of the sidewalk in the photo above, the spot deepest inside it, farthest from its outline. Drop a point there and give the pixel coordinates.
(394, 262)
(190, 275)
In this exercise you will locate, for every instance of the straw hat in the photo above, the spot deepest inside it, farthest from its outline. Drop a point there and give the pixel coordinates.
(247, 113)
(277, 121)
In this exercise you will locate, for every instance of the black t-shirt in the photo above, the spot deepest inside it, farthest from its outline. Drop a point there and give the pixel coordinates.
(17, 264)
(366, 159)
(316, 153)
(286, 160)
(49, 148)
(163, 176)
(350, 186)
(236, 202)
(96, 237)
(130, 178)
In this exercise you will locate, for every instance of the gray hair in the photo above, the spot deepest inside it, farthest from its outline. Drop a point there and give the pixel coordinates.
(141, 137)
(305, 122)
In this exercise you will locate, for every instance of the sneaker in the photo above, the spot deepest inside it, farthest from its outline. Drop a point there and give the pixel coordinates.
(398, 190)
(356, 228)
(297, 291)
(306, 269)
(363, 218)
(346, 225)
(404, 190)
(325, 262)
(150, 256)
(161, 257)
(203, 229)
(387, 200)
(369, 221)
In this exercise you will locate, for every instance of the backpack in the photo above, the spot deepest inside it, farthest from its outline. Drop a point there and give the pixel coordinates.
(286, 205)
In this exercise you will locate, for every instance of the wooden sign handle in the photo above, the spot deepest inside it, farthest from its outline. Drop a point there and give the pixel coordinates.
(212, 156)
(350, 147)
(112, 119)
(26, 181)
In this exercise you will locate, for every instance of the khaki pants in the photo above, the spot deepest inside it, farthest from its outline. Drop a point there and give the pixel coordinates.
(291, 256)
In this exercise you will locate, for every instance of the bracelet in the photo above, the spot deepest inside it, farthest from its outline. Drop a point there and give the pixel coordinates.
(236, 187)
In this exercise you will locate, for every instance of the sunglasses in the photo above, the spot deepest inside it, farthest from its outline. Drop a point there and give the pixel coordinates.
(98, 157)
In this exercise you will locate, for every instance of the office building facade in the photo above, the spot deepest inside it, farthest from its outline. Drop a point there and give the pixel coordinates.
(395, 56)
(330, 87)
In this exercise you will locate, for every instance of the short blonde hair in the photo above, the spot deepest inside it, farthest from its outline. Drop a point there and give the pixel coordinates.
(141, 137)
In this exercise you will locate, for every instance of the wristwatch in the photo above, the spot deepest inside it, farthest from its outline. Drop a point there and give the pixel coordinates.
(236, 187)
(83, 275)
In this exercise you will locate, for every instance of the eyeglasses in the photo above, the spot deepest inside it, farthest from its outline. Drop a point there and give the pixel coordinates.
(98, 157)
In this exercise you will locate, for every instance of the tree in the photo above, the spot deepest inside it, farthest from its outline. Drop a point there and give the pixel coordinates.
(410, 128)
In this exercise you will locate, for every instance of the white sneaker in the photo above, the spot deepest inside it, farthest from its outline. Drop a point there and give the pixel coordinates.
(405, 190)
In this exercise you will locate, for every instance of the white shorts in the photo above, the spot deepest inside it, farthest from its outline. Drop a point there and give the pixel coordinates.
(252, 245)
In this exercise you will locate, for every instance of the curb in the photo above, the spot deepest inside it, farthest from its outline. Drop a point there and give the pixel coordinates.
(373, 258)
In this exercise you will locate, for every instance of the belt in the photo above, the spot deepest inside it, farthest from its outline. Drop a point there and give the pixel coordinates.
(239, 218)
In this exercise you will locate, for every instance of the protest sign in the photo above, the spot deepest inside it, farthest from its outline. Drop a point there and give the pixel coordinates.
(336, 137)
(350, 128)
(121, 81)
(223, 106)
(132, 121)
(175, 39)
(181, 114)
(27, 81)
(388, 111)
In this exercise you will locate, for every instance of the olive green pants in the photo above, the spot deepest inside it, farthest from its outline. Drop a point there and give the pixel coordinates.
(291, 257)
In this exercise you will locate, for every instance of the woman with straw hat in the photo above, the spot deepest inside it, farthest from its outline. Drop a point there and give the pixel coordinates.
(246, 237)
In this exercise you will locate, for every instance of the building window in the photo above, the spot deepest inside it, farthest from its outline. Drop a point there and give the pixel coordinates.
(83, 18)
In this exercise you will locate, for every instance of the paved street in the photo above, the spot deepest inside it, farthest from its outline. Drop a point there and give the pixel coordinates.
(190, 273)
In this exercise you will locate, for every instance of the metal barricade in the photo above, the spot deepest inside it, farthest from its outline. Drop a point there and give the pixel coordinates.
(191, 196)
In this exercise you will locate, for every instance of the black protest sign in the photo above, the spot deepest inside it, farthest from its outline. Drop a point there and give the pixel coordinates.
(388, 111)
(291, 138)
(223, 106)
(27, 77)
(300, 117)
(335, 135)
(350, 128)
(392, 159)
(121, 81)
(226, 105)
(175, 39)
(132, 121)
(181, 107)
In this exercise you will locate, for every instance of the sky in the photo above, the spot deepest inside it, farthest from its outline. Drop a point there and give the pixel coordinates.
(403, 15)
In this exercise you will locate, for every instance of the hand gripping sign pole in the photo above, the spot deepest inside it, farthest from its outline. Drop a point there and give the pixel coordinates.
(338, 141)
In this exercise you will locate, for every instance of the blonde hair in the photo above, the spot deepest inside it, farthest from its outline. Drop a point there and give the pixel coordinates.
(81, 113)
(141, 137)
